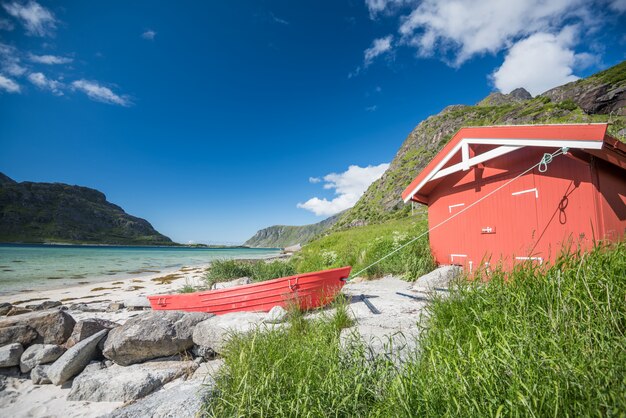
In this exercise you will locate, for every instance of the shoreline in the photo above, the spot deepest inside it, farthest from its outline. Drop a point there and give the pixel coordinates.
(119, 289)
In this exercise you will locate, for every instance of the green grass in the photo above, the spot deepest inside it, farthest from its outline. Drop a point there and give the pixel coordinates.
(361, 246)
(537, 343)
(256, 270)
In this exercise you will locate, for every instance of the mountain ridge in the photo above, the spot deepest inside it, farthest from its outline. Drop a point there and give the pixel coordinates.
(281, 236)
(33, 212)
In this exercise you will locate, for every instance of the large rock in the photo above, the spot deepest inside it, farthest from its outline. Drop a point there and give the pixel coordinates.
(48, 304)
(152, 335)
(137, 303)
(52, 326)
(88, 327)
(10, 355)
(39, 375)
(38, 354)
(214, 332)
(22, 334)
(75, 359)
(178, 399)
(276, 315)
(123, 384)
(438, 279)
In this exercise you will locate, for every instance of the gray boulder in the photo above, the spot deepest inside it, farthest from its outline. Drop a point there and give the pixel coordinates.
(152, 335)
(53, 326)
(75, 359)
(137, 303)
(214, 332)
(123, 384)
(38, 354)
(438, 279)
(10, 355)
(88, 327)
(179, 400)
(39, 375)
(5, 307)
(22, 334)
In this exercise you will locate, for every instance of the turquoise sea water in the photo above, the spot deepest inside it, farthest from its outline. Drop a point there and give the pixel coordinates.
(37, 267)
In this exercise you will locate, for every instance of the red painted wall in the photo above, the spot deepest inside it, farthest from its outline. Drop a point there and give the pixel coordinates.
(577, 200)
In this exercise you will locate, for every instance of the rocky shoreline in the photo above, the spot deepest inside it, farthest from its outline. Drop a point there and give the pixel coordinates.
(125, 360)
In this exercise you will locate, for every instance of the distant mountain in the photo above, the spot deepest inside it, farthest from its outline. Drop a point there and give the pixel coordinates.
(281, 236)
(55, 212)
(598, 98)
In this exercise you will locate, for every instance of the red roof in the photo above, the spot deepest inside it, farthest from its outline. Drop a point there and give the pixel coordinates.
(590, 137)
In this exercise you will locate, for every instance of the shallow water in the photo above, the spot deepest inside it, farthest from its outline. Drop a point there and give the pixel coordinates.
(38, 267)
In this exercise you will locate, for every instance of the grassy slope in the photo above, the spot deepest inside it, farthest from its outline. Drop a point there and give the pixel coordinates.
(545, 343)
(361, 246)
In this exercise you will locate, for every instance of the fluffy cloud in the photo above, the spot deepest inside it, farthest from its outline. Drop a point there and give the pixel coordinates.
(149, 35)
(314, 180)
(9, 61)
(5, 24)
(377, 6)
(348, 186)
(49, 59)
(8, 85)
(379, 47)
(473, 27)
(36, 19)
(44, 83)
(100, 93)
(527, 62)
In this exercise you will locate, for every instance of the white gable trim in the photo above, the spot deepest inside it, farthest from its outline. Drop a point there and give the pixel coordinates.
(507, 145)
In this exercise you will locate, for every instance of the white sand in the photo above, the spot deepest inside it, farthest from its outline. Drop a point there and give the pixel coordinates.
(101, 294)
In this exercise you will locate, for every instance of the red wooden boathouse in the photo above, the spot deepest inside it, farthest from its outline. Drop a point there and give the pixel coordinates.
(581, 196)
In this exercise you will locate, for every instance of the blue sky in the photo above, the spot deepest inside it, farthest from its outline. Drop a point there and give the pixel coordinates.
(215, 119)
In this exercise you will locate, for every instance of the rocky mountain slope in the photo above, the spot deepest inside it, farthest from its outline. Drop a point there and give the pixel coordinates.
(281, 236)
(599, 98)
(55, 212)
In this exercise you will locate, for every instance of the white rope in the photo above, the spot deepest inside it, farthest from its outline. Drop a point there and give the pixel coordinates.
(545, 160)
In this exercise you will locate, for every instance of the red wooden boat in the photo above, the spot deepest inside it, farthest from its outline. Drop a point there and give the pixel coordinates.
(309, 290)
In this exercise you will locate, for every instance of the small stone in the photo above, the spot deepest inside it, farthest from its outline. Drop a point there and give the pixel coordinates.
(203, 352)
(276, 315)
(39, 375)
(115, 306)
(16, 310)
(10, 355)
(214, 332)
(5, 308)
(38, 354)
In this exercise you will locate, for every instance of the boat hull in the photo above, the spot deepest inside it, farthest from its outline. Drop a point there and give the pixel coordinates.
(307, 291)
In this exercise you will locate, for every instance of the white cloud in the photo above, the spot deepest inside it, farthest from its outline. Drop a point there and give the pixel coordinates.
(44, 83)
(314, 180)
(473, 27)
(9, 61)
(371, 108)
(538, 63)
(348, 186)
(379, 47)
(100, 93)
(49, 59)
(149, 35)
(618, 5)
(36, 19)
(9, 85)
(377, 6)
